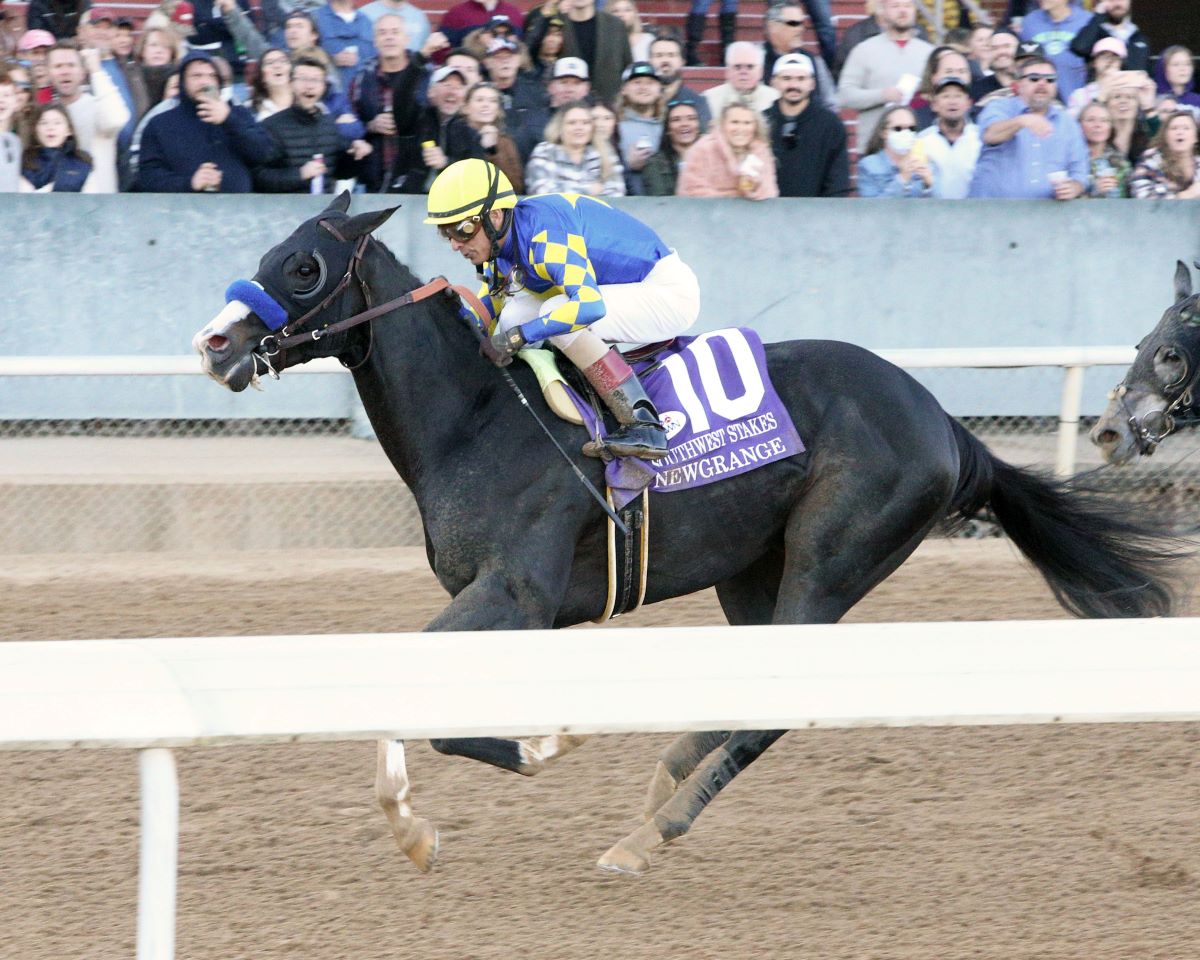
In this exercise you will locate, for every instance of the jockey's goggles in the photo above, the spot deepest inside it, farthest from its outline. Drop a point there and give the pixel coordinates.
(463, 231)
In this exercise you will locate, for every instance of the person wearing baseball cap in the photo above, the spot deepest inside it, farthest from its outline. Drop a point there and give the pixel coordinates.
(33, 46)
(640, 114)
(952, 143)
(1103, 62)
(808, 139)
(569, 80)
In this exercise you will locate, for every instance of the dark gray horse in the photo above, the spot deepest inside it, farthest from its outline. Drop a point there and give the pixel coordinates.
(518, 543)
(1160, 390)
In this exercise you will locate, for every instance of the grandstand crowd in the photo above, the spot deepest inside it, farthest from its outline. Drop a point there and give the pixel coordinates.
(1054, 100)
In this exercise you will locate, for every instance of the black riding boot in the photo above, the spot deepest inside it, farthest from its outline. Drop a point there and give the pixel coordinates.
(695, 37)
(641, 433)
(728, 23)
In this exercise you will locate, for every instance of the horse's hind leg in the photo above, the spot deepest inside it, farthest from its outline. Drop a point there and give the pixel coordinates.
(676, 816)
(416, 837)
(748, 598)
(527, 757)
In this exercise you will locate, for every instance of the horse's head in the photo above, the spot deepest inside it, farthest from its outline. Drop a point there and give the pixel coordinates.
(303, 284)
(1160, 387)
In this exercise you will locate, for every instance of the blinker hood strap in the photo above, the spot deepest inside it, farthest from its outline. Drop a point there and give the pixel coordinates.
(257, 299)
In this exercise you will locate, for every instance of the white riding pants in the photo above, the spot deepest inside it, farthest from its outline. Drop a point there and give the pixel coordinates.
(659, 307)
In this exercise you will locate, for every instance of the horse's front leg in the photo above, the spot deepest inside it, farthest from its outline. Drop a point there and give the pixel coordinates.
(506, 600)
(416, 837)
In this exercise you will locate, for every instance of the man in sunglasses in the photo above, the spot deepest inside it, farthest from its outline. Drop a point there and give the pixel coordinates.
(1032, 147)
(572, 270)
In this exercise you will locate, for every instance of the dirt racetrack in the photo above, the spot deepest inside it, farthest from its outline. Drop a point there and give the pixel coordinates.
(1052, 843)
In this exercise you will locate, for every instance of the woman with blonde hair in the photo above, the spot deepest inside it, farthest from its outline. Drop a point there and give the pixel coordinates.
(1170, 169)
(639, 40)
(567, 161)
(733, 160)
(484, 113)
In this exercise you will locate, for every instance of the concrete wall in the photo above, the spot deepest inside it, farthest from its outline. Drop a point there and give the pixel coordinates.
(139, 274)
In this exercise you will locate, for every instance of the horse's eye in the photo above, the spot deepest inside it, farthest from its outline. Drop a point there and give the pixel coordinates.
(305, 271)
(1170, 355)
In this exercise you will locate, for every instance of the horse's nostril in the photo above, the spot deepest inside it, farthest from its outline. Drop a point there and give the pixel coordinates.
(216, 343)
(1107, 437)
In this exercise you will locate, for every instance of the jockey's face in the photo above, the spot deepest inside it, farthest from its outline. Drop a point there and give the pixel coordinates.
(478, 248)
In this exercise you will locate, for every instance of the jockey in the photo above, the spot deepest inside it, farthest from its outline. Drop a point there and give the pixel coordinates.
(570, 269)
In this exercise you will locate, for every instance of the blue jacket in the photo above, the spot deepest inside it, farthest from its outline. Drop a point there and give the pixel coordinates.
(337, 35)
(176, 142)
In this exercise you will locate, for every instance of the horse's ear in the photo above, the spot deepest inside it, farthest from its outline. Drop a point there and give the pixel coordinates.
(340, 204)
(365, 223)
(1183, 281)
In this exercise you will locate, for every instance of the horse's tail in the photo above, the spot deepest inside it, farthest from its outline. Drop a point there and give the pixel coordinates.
(1097, 558)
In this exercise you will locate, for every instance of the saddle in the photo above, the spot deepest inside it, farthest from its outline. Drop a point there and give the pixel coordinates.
(552, 381)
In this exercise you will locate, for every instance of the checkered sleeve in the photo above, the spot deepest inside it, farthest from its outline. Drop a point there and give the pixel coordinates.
(561, 258)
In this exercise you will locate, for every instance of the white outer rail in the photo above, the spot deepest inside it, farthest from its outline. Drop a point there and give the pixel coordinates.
(1073, 360)
(160, 693)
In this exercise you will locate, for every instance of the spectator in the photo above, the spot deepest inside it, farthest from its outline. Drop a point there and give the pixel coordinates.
(159, 52)
(1131, 129)
(1170, 169)
(1054, 26)
(446, 137)
(308, 149)
(944, 63)
(34, 45)
(53, 163)
(1002, 66)
(526, 109)
(1032, 147)
(666, 53)
(386, 95)
(808, 141)
(870, 26)
(97, 116)
(642, 110)
(24, 109)
(952, 144)
(1175, 76)
(202, 144)
(743, 80)
(695, 26)
(682, 129)
(468, 15)
(819, 12)
(548, 48)
(894, 163)
(639, 40)
(568, 161)
(300, 31)
(600, 40)
(606, 132)
(416, 23)
(98, 30)
(476, 42)
(734, 159)
(271, 91)
(210, 34)
(10, 143)
(784, 27)
(466, 63)
(124, 41)
(484, 112)
(347, 36)
(1105, 60)
(1117, 22)
(337, 104)
(1109, 170)
(884, 69)
(569, 81)
(60, 18)
(979, 48)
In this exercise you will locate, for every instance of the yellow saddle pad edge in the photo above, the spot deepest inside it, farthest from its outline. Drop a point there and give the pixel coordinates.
(545, 367)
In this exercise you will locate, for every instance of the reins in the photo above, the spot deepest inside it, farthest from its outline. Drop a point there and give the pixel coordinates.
(437, 285)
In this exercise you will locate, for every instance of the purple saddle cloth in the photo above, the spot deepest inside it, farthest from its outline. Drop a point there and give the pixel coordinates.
(722, 415)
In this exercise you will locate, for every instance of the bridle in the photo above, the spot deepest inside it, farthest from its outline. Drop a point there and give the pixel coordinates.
(1154, 427)
(294, 332)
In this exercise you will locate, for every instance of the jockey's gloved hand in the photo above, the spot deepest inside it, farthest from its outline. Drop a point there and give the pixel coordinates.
(502, 346)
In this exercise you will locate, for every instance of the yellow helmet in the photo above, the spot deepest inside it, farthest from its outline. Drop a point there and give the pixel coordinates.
(468, 188)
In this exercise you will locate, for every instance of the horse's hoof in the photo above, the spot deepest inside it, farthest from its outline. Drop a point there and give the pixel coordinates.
(624, 859)
(662, 788)
(423, 851)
